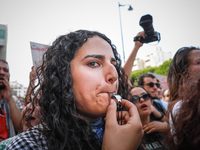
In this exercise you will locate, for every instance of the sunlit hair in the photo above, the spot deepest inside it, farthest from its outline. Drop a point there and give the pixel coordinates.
(178, 68)
(63, 128)
(187, 123)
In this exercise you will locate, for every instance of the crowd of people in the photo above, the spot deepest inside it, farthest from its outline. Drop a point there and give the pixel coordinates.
(69, 102)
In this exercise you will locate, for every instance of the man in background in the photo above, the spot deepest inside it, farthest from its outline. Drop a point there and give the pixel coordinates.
(9, 111)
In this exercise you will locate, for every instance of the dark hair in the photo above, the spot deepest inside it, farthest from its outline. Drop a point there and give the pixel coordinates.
(187, 123)
(2, 60)
(63, 128)
(132, 87)
(141, 78)
(178, 67)
(164, 91)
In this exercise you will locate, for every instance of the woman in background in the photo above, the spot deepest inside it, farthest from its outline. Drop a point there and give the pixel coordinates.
(153, 137)
(184, 101)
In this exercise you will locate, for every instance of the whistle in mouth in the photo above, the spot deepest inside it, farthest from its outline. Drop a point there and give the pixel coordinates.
(117, 97)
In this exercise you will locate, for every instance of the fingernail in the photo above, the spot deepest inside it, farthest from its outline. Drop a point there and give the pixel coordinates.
(111, 101)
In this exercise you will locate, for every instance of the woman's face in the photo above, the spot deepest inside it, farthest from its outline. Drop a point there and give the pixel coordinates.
(94, 77)
(33, 118)
(194, 61)
(144, 107)
(166, 95)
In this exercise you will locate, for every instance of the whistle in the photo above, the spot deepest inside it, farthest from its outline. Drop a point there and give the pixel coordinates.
(117, 97)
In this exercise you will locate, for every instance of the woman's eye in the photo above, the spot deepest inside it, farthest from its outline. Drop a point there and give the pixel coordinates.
(93, 64)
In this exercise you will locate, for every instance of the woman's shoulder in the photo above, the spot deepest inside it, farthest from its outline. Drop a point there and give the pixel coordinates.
(29, 139)
(176, 107)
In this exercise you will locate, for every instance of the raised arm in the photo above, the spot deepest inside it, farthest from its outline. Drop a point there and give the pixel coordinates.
(129, 63)
(32, 77)
(14, 110)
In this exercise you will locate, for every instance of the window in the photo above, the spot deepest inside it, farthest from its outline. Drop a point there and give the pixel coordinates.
(2, 34)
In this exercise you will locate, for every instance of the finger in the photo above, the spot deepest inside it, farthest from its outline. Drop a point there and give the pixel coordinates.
(129, 106)
(150, 131)
(123, 115)
(5, 81)
(111, 113)
(146, 129)
(32, 68)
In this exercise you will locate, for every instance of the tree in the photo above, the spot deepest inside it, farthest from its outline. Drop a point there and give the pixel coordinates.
(135, 75)
(162, 70)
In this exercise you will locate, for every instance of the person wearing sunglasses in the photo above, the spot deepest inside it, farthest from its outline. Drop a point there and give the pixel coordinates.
(148, 81)
(152, 138)
(151, 85)
(159, 97)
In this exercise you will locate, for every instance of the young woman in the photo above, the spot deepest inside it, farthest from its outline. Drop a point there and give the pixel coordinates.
(184, 66)
(79, 73)
(30, 119)
(152, 139)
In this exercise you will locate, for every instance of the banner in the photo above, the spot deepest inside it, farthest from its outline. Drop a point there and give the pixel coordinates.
(162, 79)
(37, 51)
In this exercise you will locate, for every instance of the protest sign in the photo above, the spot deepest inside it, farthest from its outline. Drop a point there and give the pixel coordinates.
(37, 51)
(162, 79)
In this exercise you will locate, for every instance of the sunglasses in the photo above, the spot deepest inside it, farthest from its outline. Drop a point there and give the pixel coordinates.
(151, 84)
(136, 99)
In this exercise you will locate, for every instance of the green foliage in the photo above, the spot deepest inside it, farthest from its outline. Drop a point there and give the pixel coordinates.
(162, 70)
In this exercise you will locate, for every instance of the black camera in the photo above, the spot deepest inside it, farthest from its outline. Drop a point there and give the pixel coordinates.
(146, 22)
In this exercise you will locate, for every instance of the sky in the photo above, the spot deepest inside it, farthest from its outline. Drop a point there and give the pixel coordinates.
(42, 21)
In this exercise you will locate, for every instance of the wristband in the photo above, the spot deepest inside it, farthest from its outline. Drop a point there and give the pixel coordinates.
(161, 116)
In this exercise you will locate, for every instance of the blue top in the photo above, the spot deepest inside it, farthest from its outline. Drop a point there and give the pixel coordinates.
(163, 103)
(98, 127)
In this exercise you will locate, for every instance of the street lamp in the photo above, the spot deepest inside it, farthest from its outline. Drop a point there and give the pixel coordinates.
(129, 9)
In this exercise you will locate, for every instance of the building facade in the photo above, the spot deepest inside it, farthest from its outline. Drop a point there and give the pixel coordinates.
(3, 41)
(152, 60)
(18, 89)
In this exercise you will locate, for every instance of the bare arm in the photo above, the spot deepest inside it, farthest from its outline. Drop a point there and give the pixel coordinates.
(129, 63)
(32, 77)
(157, 114)
(14, 110)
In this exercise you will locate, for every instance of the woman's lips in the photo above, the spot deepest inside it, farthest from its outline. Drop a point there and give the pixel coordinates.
(143, 107)
(29, 119)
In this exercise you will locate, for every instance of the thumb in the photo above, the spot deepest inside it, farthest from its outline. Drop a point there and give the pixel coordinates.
(111, 113)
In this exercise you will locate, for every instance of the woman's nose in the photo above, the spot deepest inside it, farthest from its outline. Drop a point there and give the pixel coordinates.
(141, 100)
(30, 106)
(112, 74)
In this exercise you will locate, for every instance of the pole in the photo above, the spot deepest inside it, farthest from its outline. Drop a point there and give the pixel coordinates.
(121, 32)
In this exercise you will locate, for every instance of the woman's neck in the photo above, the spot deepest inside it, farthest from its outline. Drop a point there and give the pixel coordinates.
(145, 120)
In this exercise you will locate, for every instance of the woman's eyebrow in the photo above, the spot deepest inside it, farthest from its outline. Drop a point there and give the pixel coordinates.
(94, 56)
(113, 59)
(143, 93)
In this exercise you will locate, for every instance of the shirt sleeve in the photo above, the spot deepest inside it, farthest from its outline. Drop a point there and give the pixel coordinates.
(28, 140)
(175, 111)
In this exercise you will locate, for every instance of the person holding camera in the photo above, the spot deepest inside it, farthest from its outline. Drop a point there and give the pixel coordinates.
(158, 111)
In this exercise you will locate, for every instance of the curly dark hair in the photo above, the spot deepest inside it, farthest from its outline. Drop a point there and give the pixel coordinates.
(187, 123)
(63, 127)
